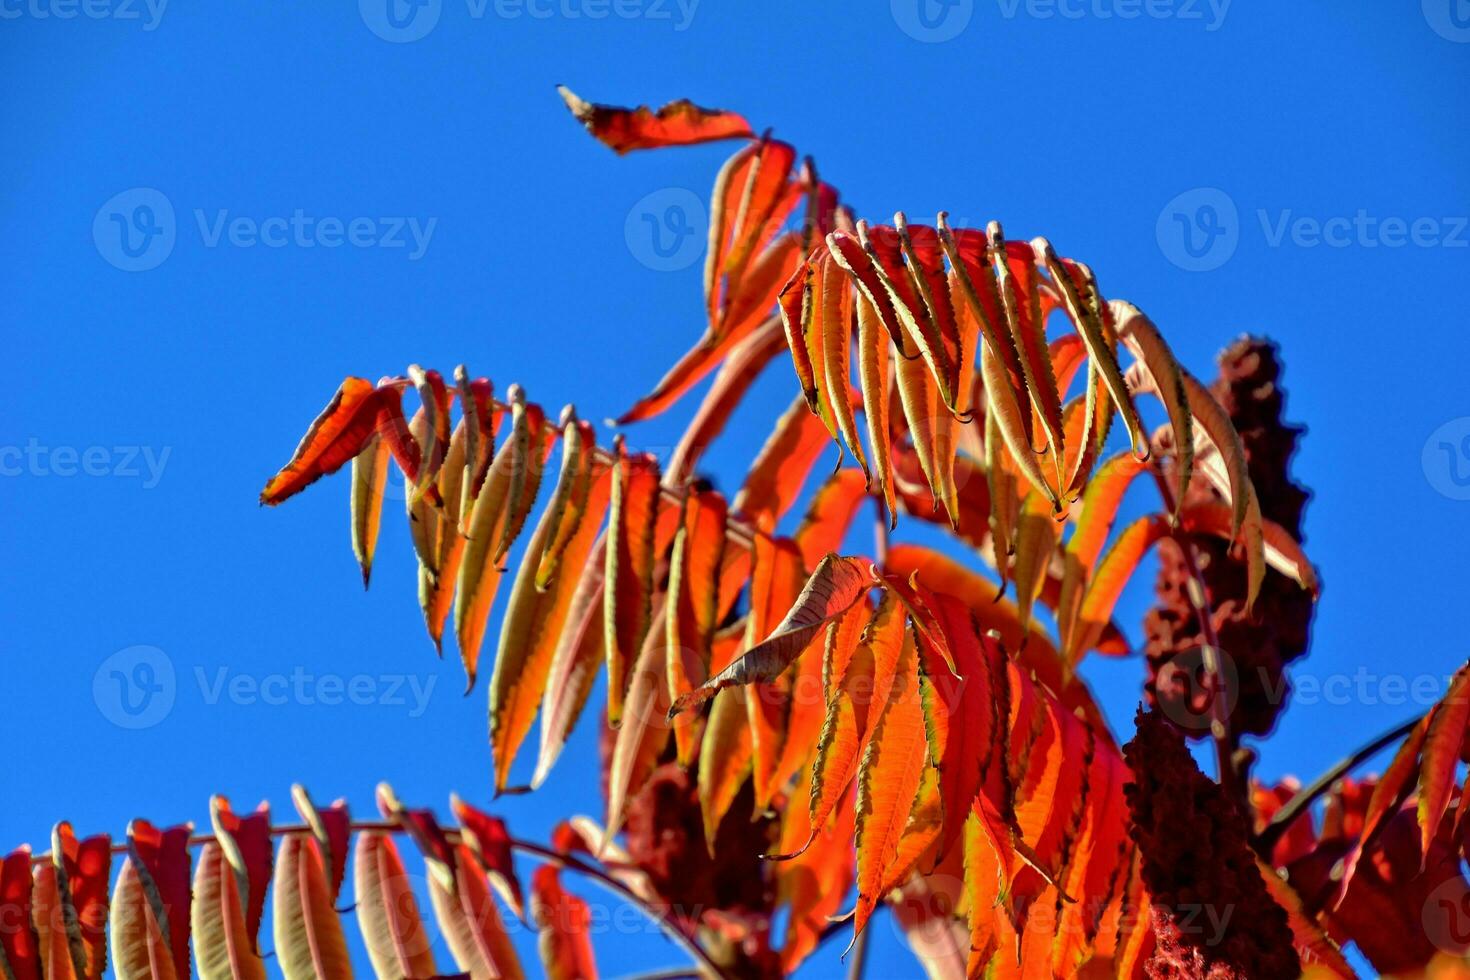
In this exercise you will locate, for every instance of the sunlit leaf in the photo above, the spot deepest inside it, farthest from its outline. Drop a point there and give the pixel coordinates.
(676, 124)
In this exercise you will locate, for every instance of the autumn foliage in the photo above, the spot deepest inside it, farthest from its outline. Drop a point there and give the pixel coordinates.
(800, 732)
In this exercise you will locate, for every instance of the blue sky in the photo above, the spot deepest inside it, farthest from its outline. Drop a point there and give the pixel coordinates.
(413, 191)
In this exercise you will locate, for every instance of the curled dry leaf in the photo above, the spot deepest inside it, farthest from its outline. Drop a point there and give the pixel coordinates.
(831, 590)
(677, 124)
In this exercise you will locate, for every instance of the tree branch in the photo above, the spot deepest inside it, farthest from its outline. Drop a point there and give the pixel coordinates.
(1298, 804)
(661, 918)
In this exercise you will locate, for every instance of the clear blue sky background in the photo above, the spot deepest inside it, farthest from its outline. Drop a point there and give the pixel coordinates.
(1081, 128)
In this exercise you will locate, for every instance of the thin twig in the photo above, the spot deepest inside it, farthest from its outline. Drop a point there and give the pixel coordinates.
(859, 962)
(1220, 732)
(1305, 797)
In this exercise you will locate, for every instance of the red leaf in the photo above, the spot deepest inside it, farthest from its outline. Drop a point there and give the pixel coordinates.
(489, 841)
(247, 846)
(565, 922)
(331, 828)
(161, 860)
(680, 123)
(337, 435)
(18, 938)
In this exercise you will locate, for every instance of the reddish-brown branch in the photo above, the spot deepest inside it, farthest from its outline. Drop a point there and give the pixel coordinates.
(1220, 733)
(570, 862)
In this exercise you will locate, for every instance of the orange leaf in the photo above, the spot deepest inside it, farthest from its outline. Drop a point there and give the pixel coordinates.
(776, 478)
(533, 622)
(829, 515)
(49, 914)
(680, 123)
(369, 481)
(831, 590)
(888, 783)
(17, 891)
(943, 575)
(814, 883)
(565, 922)
(1106, 584)
(224, 947)
(82, 872)
(574, 665)
(471, 924)
(630, 554)
(331, 829)
(857, 695)
(397, 943)
(248, 849)
(1164, 377)
(489, 842)
(724, 759)
(1087, 311)
(1019, 282)
(1441, 756)
(336, 436)
(694, 602)
(1279, 549)
(150, 905)
(308, 937)
(643, 729)
(747, 359)
(479, 574)
(873, 375)
(1391, 791)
